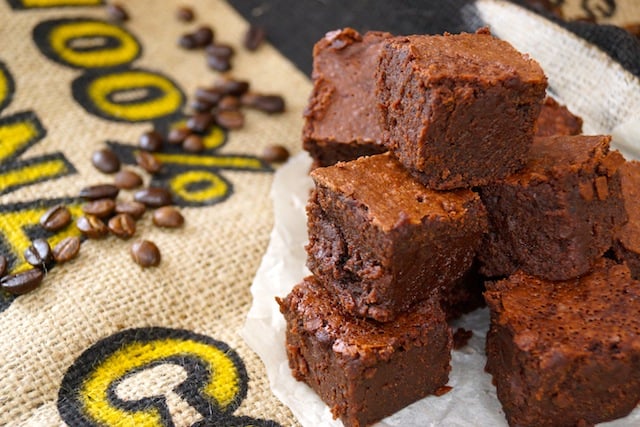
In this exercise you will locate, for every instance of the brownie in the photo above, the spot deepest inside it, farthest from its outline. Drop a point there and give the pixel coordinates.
(558, 215)
(465, 295)
(341, 120)
(458, 110)
(362, 369)
(627, 241)
(382, 241)
(565, 353)
(556, 119)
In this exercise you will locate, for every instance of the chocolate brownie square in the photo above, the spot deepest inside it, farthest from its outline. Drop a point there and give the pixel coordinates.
(362, 369)
(565, 353)
(458, 110)
(465, 295)
(382, 241)
(341, 120)
(556, 119)
(627, 241)
(558, 215)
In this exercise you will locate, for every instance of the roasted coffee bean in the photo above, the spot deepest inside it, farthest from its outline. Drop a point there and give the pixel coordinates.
(105, 160)
(66, 249)
(200, 106)
(193, 144)
(38, 254)
(229, 102)
(153, 197)
(220, 50)
(135, 209)
(3, 265)
(122, 225)
(232, 119)
(21, 283)
(275, 154)
(219, 63)
(266, 103)
(229, 86)
(101, 208)
(99, 191)
(254, 37)
(127, 179)
(188, 41)
(150, 141)
(168, 217)
(200, 122)
(92, 226)
(210, 95)
(56, 218)
(177, 135)
(117, 12)
(185, 14)
(145, 253)
(203, 35)
(148, 161)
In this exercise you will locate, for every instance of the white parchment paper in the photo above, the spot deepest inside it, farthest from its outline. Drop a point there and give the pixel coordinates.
(471, 402)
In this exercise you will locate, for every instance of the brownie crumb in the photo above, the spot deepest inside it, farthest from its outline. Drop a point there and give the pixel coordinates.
(461, 338)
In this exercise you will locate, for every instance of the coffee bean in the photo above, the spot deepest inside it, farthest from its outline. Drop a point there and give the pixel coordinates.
(229, 102)
(185, 14)
(56, 218)
(254, 37)
(200, 106)
(38, 254)
(105, 160)
(210, 95)
(193, 144)
(92, 226)
(200, 122)
(220, 50)
(148, 161)
(66, 249)
(219, 63)
(153, 197)
(145, 253)
(203, 35)
(99, 191)
(150, 141)
(127, 179)
(101, 208)
(187, 41)
(230, 119)
(168, 217)
(117, 12)
(122, 225)
(3, 265)
(266, 103)
(135, 209)
(229, 86)
(21, 283)
(275, 154)
(178, 135)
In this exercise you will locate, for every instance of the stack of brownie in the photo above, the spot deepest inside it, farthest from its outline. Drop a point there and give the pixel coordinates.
(438, 163)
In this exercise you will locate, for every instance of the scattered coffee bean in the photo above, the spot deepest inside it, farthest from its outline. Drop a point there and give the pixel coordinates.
(145, 253)
(21, 283)
(275, 154)
(117, 12)
(127, 179)
(193, 144)
(187, 41)
(101, 208)
(232, 119)
(229, 86)
(203, 35)
(150, 141)
(38, 254)
(105, 160)
(177, 135)
(220, 50)
(200, 122)
(135, 209)
(56, 218)
(219, 63)
(200, 106)
(266, 103)
(229, 102)
(99, 191)
(210, 95)
(92, 226)
(122, 225)
(3, 265)
(148, 161)
(254, 37)
(153, 197)
(168, 217)
(185, 14)
(66, 249)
